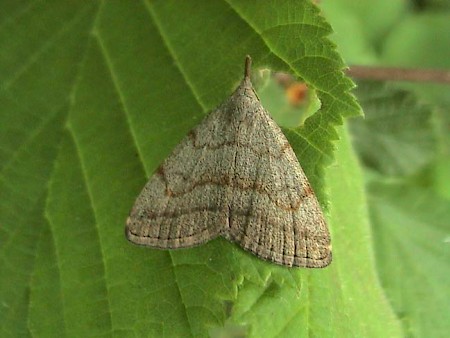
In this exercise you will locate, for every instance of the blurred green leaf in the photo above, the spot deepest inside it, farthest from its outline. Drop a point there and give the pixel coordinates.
(412, 234)
(360, 26)
(419, 41)
(396, 136)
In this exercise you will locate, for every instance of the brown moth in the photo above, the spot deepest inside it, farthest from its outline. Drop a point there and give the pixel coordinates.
(235, 175)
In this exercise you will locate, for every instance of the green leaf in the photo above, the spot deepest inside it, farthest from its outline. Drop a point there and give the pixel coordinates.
(411, 231)
(23, 184)
(396, 138)
(93, 97)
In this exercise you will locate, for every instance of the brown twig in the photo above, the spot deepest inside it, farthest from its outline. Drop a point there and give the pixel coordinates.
(399, 74)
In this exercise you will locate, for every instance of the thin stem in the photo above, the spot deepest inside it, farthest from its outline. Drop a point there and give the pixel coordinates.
(399, 74)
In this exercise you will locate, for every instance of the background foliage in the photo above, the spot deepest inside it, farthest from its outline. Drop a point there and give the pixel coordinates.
(94, 95)
(404, 147)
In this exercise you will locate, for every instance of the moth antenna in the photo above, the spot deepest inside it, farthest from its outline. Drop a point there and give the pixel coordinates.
(248, 66)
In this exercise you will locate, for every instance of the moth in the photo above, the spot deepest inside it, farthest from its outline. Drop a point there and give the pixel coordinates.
(234, 175)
